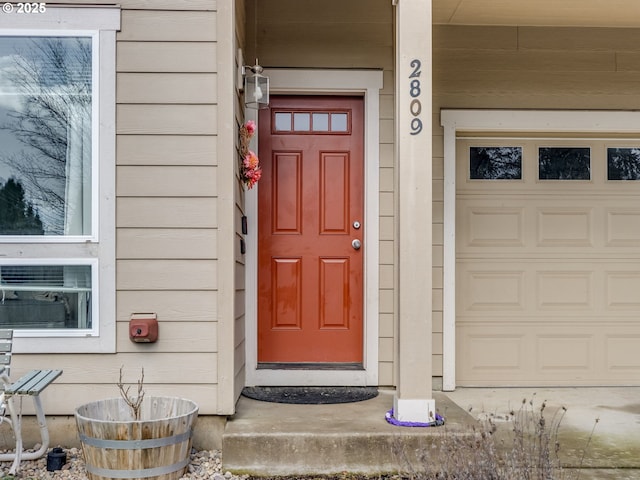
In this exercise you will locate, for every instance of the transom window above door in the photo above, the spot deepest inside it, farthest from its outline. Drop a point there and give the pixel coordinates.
(316, 122)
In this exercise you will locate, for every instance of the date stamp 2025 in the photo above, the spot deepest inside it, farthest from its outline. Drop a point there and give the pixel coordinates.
(24, 7)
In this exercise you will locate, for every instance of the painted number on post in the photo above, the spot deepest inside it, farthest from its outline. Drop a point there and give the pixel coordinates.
(415, 107)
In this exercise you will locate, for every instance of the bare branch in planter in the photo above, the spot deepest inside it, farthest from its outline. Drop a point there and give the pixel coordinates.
(135, 403)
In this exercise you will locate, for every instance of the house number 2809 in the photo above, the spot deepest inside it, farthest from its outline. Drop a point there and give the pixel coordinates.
(415, 107)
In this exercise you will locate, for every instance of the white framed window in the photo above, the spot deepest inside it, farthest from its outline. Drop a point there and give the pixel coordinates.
(57, 178)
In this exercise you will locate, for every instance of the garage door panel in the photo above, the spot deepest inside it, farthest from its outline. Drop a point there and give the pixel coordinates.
(566, 227)
(565, 352)
(491, 226)
(492, 290)
(489, 352)
(623, 290)
(550, 353)
(564, 290)
(622, 227)
(528, 285)
(623, 354)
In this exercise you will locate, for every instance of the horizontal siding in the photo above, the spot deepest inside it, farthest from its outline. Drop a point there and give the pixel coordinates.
(528, 67)
(475, 37)
(166, 367)
(156, 243)
(530, 61)
(165, 181)
(173, 337)
(277, 32)
(357, 56)
(166, 150)
(166, 275)
(179, 26)
(186, 88)
(62, 398)
(572, 39)
(194, 306)
(166, 119)
(185, 212)
(315, 14)
(167, 57)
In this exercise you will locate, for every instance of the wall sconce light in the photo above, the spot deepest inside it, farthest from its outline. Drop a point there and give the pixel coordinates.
(256, 87)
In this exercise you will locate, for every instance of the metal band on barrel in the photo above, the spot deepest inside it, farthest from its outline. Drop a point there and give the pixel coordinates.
(135, 444)
(144, 473)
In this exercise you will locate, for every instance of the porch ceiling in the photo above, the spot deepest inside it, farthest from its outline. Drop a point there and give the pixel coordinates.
(570, 13)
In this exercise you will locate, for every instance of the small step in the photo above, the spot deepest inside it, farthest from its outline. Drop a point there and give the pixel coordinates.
(270, 439)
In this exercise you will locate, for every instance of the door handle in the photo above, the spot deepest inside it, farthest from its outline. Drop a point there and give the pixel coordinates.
(356, 244)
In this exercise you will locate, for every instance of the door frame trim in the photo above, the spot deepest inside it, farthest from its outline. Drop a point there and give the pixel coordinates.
(324, 82)
(584, 121)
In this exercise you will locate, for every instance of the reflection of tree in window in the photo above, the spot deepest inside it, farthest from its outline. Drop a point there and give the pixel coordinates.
(49, 145)
(17, 217)
(623, 163)
(495, 163)
(561, 163)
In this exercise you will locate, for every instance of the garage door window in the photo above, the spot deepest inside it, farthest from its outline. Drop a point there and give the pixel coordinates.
(623, 163)
(495, 163)
(564, 163)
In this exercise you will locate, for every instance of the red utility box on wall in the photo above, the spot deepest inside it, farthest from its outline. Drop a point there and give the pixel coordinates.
(143, 328)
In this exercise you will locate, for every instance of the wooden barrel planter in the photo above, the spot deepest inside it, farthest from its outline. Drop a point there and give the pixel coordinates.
(157, 446)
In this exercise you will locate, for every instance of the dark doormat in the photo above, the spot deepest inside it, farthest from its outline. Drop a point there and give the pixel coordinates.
(310, 395)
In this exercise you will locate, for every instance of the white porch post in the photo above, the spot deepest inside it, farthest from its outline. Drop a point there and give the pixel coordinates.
(413, 401)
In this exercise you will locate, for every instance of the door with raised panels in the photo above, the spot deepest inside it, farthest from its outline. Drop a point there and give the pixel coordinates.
(311, 232)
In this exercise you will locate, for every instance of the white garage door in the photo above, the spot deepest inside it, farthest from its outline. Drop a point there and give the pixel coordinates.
(548, 261)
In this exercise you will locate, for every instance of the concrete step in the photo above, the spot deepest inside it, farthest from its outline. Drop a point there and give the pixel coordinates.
(281, 439)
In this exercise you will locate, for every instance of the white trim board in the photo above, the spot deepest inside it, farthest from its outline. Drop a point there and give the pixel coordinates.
(453, 121)
(325, 82)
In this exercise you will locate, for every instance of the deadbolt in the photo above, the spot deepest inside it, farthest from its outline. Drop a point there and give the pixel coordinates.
(356, 225)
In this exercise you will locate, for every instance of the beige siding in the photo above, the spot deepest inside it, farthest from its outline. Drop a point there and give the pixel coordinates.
(166, 119)
(166, 243)
(163, 26)
(185, 212)
(166, 57)
(186, 88)
(194, 306)
(529, 67)
(165, 181)
(57, 397)
(166, 150)
(239, 340)
(167, 116)
(167, 230)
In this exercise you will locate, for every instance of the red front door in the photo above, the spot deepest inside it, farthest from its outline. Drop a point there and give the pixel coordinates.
(310, 208)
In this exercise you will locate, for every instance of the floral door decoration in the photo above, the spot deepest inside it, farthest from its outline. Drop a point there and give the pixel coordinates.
(250, 171)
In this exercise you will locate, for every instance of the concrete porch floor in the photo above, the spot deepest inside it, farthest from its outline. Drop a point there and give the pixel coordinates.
(271, 439)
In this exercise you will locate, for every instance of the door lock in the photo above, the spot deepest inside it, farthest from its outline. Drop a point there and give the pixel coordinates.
(356, 225)
(356, 244)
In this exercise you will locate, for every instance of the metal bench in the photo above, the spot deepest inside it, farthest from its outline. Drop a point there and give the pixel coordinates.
(30, 384)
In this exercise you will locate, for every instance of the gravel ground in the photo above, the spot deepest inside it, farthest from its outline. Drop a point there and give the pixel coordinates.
(205, 465)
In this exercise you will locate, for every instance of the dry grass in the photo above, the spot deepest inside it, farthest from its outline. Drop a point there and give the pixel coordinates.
(526, 447)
